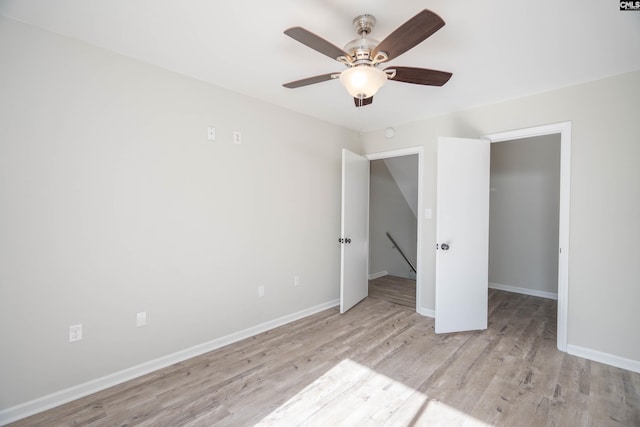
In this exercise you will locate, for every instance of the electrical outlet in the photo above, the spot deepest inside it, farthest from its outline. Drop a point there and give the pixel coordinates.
(296, 281)
(211, 134)
(75, 333)
(237, 137)
(261, 291)
(141, 319)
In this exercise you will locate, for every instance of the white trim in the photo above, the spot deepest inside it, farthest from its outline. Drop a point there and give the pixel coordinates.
(427, 312)
(395, 153)
(606, 358)
(564, 129)
(378, 275)
(81, 390)
(420, 218)
(524, 291)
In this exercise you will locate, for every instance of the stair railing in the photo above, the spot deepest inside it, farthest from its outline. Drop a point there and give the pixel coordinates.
(395, 246)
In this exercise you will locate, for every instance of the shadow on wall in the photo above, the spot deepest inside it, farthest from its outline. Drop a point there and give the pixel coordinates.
(393, 205)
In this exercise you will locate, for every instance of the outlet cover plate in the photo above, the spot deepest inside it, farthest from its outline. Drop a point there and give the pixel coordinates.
(75, 332)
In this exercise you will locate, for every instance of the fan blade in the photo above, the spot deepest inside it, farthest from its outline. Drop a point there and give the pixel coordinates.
(420, 76)
(409, 34)
(310, 80)
(362, 102)
(315, 42)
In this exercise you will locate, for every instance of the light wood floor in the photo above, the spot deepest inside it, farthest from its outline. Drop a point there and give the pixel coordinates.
(394, 289)
(378, 364)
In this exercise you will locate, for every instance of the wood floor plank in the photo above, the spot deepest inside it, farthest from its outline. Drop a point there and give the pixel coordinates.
(631, 400)
(394, 289)
(378, 364)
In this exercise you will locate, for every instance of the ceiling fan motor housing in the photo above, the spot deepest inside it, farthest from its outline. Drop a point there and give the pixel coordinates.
(360, 49)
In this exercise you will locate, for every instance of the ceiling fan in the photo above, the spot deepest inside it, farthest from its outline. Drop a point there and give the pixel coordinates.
(362, 56)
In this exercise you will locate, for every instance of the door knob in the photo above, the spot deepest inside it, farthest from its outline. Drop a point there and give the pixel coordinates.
(444, 247)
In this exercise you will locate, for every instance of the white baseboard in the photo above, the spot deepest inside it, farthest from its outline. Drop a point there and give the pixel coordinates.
(606, 358)
(427, 312)
(525, 291)
(81, 390)
(378, 274)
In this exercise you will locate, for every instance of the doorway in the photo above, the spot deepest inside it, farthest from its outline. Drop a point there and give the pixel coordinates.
(564, 131)
(406, 239)
(524, 216)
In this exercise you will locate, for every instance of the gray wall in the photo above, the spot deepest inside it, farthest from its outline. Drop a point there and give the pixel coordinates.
(404, 170)
(112, 201)
(390, 212)
(523, 220)
(604, 284)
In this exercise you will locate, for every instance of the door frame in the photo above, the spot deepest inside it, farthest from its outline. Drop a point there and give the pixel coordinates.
(407, 152)
(564, 129)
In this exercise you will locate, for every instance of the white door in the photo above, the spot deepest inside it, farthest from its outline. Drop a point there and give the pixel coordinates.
(462, 235)
(354, 233)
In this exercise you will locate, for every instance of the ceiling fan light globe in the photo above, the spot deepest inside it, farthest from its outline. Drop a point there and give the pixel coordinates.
(363, 81)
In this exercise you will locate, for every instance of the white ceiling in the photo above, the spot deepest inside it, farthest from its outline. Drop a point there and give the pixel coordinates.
(496, 50)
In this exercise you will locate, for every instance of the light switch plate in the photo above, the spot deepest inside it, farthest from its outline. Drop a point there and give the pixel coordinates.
(141, 318)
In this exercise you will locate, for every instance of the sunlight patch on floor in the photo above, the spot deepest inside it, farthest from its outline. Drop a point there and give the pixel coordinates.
(351, 394)
(439, 414)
